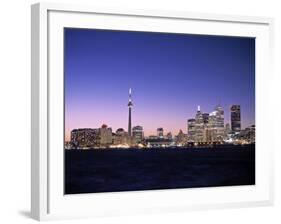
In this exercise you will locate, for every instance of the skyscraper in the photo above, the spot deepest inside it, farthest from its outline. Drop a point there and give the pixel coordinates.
(169, 136)
(219, 123)
(235, 118)
(199, 126)
(181, 138)
(227, 128)
(191, 130)
(138, 134)
(215, 128)
(105, 135)
(205, 118)
(219, 117)
(130, 105)
(160, 132)
(121, 137)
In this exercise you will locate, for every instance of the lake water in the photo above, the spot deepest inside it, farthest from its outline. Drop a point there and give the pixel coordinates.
(111, 170)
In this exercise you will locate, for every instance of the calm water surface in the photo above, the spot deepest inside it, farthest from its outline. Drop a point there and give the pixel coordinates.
(92, 171)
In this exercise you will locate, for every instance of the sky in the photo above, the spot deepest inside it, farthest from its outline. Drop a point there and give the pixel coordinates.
(170, 75)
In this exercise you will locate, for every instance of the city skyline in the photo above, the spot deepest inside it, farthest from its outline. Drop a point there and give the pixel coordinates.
(165, 74)
(163, 130)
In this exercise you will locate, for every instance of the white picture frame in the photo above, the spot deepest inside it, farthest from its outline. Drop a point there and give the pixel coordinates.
(47, 199)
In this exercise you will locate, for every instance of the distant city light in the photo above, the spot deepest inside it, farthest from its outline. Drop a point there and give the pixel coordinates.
(205, 129)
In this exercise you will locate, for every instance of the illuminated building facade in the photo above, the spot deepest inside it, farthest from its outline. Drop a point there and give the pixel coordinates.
(235, 118)
(160, 132)
(158, 142)
(203, 129)
(206, 127)
(181, 138)
(199, 126)
(219, 123)
(91, 137)
(85, 138)
(138, 134)
(169, 136)
(191, 130)
(248, 135)
(227, 129)
(121, 138)
(205, 118)
(105, 135)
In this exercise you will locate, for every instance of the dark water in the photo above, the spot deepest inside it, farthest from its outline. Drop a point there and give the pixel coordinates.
(93, 171)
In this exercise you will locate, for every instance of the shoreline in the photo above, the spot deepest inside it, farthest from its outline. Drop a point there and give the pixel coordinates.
(219, 146)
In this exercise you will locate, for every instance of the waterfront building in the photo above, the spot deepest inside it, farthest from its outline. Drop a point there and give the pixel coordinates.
(152, 137)
(215, 131)
(211, 131)
(138, 134)
(120, 131)
(84, 138)
(251, 134)
(169, 136)
(235, 114)
(121, 138)
(160, 132)
(118, 137)
(212, 119)
(219, 117)
(220, 133)
(248, 135)
(191, 130)
(105, 135)
(227, 129)
(181, 138)
(68, 145)
(205, 118)
(210, 135)
(158, 142)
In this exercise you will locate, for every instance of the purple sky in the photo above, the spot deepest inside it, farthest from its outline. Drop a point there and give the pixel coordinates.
(170, 74)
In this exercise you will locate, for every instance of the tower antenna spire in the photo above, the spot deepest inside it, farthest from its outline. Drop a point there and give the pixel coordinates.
(130, 94)
(130, 105)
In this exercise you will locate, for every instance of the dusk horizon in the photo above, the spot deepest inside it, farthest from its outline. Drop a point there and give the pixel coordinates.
(126, 90)
(170, 75)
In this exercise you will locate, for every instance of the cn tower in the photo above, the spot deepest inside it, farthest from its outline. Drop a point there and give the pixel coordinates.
(130, 105)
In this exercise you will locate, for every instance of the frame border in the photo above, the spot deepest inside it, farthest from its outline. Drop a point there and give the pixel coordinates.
(40, 91)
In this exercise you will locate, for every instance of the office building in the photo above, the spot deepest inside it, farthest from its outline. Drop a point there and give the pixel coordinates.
(235, 115)
(160, 132)
(191, 130)
(138, 134)
(105, 135)
(169, 136)
(85, 138)
(205, 118)
(199, 126)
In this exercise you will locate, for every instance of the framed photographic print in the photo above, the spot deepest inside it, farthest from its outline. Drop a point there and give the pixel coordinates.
(148, 111)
